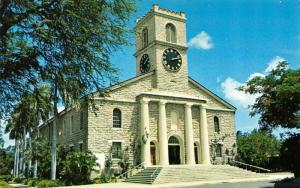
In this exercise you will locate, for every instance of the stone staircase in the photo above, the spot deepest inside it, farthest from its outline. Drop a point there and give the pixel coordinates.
(146, 176)
(186, 173)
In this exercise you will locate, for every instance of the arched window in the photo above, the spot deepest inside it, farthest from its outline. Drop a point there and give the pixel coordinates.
(219, 150)
(117, 118)
(216, 124)
(170, 33)
(145, 37)
(173, 141)
(174, 120)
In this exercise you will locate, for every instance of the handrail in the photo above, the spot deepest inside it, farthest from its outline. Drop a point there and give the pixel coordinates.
(251, 166)
(135, 167)
(153, 173)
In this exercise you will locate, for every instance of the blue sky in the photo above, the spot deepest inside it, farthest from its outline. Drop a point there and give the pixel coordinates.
(232, 40)
(236, 40)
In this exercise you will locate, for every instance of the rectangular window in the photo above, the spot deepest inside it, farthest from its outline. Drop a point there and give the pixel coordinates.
(219, 150)
(81, 147)
(116, 149)
(81, 120)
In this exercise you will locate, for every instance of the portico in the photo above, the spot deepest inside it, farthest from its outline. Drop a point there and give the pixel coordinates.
(188, 155)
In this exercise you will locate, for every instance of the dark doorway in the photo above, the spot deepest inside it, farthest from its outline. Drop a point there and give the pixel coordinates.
(196, 153)
(152, 153)
(174, 150)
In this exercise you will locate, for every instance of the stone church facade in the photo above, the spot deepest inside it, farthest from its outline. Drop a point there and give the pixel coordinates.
(161, 116)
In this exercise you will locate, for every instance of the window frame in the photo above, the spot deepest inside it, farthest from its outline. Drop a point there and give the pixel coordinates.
(117, 119)
(145, 37)
(219, 150)
(171, 35)
(116, 154)
(216, 124)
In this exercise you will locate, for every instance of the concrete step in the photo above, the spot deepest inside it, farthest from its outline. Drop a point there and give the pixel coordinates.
(185, 173)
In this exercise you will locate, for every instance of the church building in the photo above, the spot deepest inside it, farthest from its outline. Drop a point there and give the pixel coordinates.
(159, 117)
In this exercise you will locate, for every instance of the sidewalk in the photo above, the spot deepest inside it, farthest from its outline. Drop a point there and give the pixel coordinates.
(271, 177)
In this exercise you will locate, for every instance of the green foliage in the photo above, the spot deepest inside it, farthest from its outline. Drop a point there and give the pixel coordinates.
(290, 153)
(77, 167)
(6, 161)
(32, 182)
(48, 183)
(41, 39)
(2, 183)
(5, 178)
(1, 138)
(256, 147)
(124, 161)
(279, 99)
(18, 180)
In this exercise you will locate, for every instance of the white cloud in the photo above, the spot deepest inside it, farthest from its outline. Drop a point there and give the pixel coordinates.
(273, 63)
(201, 41)
(255, 75)
(230, 85)
(229, 88)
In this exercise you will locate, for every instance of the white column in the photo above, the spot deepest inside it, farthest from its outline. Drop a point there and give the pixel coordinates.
(204, 136)
(163, 138)
(189, 136)
(145, 149)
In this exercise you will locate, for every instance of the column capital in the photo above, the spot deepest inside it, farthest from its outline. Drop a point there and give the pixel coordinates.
(162, 102)
(188, 105)
(203, 106)
(144, 101)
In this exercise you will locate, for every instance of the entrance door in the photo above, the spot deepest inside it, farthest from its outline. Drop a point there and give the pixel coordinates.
(152, 153)
(196, 153)
(174, 150)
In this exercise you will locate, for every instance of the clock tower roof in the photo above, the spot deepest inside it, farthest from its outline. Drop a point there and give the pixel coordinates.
(161, 11)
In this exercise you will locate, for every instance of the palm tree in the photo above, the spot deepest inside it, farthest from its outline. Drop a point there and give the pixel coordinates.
(32, 108)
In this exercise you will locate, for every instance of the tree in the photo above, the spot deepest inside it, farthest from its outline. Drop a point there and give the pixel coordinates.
(33, 107)
(256, 147)
(6, 158)
(278, 104)
(290, 152)
(279, 99)
(65, 45)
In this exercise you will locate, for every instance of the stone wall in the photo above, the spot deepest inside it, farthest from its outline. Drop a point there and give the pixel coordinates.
(101, 133)
(68, 134)
(227, 135)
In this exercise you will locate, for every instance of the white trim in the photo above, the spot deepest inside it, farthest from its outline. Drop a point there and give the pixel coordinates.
(212, 94)
(113, 100)
(71, 145)
(220, 109)
(117, 128)
(80, 142)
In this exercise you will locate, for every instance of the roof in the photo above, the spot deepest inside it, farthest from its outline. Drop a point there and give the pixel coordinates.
(215, 96)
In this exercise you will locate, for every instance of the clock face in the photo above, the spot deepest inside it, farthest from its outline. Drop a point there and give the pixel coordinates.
(172, 59)
(145, 63)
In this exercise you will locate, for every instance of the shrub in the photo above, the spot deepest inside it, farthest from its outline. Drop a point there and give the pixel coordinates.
(2, 183)
(18, 180)
(6, 178)
(77, 167)
(48, 183)
(290, 153)
(32, 182)
(25, 181)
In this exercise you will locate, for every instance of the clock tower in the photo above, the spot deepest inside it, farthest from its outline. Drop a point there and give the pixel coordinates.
(161, 47)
